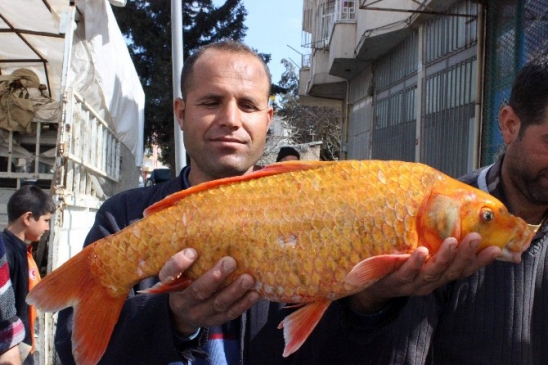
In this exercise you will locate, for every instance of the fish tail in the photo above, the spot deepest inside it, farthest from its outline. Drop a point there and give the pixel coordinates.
(96, 311)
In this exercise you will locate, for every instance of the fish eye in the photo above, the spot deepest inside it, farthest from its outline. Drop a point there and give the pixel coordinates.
(487, 214)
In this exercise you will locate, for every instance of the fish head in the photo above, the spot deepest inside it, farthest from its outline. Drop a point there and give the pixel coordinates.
(455, 209)
(488, 216)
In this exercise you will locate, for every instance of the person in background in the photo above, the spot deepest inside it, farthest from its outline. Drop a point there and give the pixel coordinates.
(498, 315)
(29, 215)
(224, 115)
(12, 330)
(288, 154)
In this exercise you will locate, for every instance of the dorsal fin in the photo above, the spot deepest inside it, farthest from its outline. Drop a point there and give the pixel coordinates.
(269, 170)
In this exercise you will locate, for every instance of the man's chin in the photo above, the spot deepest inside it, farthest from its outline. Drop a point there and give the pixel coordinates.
(233, 168)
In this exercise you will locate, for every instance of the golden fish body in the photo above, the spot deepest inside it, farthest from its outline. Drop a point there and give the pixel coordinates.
(305, 231)
(298, 233)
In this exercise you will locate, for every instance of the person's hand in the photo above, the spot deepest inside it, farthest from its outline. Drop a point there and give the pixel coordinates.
(204, 303)
(421, 274)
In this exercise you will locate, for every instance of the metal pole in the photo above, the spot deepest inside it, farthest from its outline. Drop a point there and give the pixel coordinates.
(177, 65)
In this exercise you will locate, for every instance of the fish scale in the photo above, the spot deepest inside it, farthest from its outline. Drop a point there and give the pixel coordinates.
(308, 232)
(318, 216)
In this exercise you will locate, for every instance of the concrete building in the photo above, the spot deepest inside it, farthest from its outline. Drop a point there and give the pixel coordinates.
(419, 80)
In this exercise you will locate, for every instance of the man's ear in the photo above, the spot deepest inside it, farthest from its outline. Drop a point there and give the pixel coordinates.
(270, 115)
(179, 110)
(509, 124)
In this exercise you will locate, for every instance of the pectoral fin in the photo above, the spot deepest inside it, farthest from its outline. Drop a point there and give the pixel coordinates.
(368, 271)
(298, 325)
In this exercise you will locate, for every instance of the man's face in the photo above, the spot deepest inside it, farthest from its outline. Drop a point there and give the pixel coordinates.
(225, 115)
(37, 227)
(527, 162)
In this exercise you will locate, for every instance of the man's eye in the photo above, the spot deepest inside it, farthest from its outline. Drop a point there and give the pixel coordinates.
(248, 107)
(209, 103)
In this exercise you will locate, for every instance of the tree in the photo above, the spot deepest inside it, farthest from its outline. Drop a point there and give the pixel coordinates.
(147, 27)
(308, 123)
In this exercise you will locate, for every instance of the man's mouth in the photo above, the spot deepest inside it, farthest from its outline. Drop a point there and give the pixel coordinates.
(228, 140)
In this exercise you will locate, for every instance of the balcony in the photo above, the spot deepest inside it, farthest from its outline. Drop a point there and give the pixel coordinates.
(389, 22)
(330, 30)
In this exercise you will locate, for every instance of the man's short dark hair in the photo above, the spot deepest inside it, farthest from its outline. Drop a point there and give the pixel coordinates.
(29, 198)
(529, 95)
(224, 45)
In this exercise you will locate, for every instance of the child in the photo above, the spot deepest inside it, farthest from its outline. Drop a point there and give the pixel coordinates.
(29, 215)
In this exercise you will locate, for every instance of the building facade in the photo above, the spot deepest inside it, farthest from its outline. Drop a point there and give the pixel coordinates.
(419, 80)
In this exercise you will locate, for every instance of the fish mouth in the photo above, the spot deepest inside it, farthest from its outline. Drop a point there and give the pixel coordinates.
(516, 246)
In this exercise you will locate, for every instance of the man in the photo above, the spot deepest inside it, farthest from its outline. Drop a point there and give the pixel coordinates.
(497, 315)
(225, 116)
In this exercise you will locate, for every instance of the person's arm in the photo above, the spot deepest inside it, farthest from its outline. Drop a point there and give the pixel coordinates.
(421, 274)
(149, 332)
(393, 321)
(144, 333)
(386, 314)
(154, 328)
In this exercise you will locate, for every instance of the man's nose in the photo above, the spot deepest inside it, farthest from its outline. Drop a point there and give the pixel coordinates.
(231, 116)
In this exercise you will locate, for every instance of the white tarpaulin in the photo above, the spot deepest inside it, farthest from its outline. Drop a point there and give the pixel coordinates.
(32, 36)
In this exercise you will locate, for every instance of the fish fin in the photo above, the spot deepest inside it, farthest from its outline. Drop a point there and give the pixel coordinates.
(168, 286)
(72, 285)
(296, 305)
(269, 170)
(298, 325)
(372, 269)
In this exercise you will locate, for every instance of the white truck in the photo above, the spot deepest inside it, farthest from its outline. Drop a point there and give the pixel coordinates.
(71, 119)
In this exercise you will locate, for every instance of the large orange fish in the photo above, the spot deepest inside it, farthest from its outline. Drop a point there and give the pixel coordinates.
(309, 232)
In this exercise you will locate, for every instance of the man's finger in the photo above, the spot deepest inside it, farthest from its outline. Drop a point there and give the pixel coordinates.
(232, 293)
(203, 287)
(436, 266)
(414, 264)
(177, 264)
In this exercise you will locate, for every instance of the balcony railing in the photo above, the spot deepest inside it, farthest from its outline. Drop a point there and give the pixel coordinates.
(346, 11)
(322, 20)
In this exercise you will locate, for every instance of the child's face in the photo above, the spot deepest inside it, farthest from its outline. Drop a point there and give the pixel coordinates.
(37, 227)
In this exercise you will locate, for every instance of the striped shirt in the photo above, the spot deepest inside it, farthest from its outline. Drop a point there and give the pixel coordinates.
(12, 330)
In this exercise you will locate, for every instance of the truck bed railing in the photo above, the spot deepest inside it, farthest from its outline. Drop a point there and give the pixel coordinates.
(89, 141)
(89, 154)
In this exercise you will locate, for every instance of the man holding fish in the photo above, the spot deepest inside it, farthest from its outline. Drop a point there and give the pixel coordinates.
(498, 315)
(224, 115)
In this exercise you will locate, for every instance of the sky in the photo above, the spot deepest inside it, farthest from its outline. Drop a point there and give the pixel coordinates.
(272, 25)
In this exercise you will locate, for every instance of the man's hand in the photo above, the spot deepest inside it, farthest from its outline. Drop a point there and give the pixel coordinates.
(203, 303)
(421, 275)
